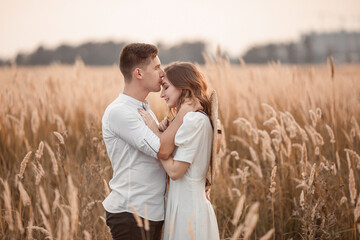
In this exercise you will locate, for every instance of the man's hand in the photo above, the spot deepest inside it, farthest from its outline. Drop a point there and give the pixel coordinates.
(149, 121)
(163, 125)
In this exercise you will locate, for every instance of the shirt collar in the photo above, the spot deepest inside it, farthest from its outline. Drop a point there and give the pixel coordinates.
(137, 103)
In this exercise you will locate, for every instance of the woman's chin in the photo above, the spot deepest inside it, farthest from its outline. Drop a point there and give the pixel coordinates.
(170, 105)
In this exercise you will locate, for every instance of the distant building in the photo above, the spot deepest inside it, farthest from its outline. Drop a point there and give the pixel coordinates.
(311, 48)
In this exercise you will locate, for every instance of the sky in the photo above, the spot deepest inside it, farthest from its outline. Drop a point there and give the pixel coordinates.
(234, 25)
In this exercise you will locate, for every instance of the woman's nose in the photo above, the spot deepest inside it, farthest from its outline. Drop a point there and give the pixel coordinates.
(162, 95)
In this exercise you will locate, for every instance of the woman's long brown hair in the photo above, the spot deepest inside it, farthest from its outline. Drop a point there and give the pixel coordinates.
(186, 77)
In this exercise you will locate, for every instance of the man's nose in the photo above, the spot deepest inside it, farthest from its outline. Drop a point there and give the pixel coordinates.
(162, 73)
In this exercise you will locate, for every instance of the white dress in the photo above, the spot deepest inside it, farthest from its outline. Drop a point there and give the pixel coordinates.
(188, 212)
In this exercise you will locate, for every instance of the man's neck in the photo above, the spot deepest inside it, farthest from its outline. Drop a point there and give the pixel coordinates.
(135, 92)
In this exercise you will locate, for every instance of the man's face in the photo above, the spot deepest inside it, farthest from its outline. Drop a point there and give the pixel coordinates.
(152, 75)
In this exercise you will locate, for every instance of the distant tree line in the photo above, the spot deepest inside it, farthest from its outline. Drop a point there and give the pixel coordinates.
(106, 53)
(91, 53)
(311, 48)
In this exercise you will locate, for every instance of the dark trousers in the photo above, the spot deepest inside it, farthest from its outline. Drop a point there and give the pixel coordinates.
(123, 226)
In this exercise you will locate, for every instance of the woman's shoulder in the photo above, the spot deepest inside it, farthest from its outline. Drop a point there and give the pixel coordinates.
(197, 119)
(194, 125)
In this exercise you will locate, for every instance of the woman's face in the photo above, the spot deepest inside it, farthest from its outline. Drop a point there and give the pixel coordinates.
(170, 93)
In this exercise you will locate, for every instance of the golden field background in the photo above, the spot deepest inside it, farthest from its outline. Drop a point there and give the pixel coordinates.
(289, 165)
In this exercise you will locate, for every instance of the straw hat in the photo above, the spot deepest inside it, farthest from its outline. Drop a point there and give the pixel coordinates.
(217, 131)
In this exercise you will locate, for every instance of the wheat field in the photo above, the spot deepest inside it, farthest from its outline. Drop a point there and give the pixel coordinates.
(289, 165)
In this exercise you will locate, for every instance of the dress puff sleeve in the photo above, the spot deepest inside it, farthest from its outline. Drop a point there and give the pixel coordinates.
(187, 138)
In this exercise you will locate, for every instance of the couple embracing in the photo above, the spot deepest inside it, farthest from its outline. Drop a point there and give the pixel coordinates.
(144, 153)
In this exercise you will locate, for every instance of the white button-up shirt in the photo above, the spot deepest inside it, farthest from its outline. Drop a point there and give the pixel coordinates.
(138, 176)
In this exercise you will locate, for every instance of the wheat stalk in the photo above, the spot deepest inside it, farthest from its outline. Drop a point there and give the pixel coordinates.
(43, 230)
(318, 113)
(338, 160)
(72, 197)
(312, 175)
(272, 180)
(59, 229)
(254, 135)
(89, 206)
(237, 232)
(29, 227)
(237, 191)
(331, 133)
(19, 222)
(313, 118)
(65, 224)
(106, 188)
(352, 186)
(44, 201)
(46, 223)
(357, 210)
(255, 167)
(268, 235)
(302, 200)
(137, 217)
(146, 221)
(24, 196)
(56, 203)
(39, 172)
(251, 220)
(356, 156)
(53, 159)
(59, 137)
(253, 154)
(138, 221)
(35, 121)
(238, 210)
(269, 110)
(39, 151)
(7, 201)
(87, 235)
(23, 164)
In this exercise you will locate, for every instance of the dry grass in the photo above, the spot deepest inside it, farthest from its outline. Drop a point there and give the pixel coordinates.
(289, 160)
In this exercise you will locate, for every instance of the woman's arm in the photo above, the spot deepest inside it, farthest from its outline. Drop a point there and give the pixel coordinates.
(167, 138)
(175, 169)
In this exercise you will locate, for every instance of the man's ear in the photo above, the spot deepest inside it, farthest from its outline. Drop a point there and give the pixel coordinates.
(137, 73)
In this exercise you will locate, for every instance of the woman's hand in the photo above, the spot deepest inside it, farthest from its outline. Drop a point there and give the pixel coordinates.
(190, 105)
(207, 189)
(207, 192)
(149, 121)
(163, 125)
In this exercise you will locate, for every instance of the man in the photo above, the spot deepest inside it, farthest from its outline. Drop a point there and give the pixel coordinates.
(139, 179)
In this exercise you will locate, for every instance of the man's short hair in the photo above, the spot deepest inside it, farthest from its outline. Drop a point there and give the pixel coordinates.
(135, 55)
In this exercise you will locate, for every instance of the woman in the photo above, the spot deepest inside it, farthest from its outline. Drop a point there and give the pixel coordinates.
(188, 212)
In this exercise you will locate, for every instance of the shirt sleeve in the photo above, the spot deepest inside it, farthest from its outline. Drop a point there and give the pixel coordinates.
(130, 127)
(186, 138)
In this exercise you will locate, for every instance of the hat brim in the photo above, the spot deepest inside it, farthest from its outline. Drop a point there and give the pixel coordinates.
(214, 120)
